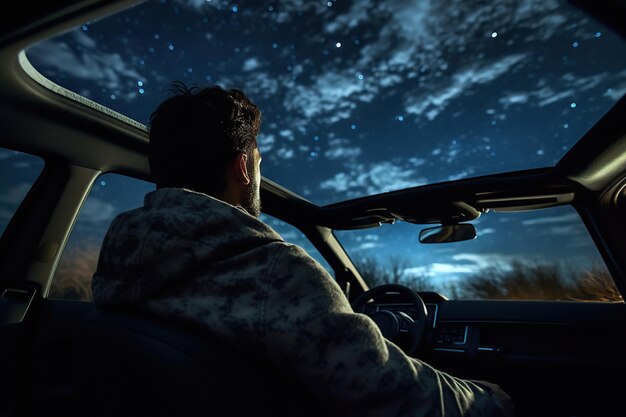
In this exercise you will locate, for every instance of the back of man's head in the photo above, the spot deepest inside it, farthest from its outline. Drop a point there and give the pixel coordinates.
(197, 132)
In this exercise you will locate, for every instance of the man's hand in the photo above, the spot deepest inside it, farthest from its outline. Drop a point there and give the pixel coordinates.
(502, 398)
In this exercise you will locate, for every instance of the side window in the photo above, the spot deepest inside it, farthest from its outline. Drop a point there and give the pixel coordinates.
(293, 235)
(543, 254)
(111, 194)
(18, 172)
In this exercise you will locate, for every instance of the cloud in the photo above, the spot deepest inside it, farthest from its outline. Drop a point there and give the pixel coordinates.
(366, 242)
(449, 153)
(289, 235)
(569, 230)
(552, 97)
(564, 230)
(342, 153)
(514, 98)
(462, 174)
(378, 177)
(572, 217)
(585, 83)
(290, 9)
(286, 133)
(285, 153)
(486, 231)
(5, 214)
(96, 210)
(251, 64)
(545, 26)
(332, 96)
(367, 246)
(356, 15)
(437, 269)
(618, 89)
(569, 85)
(441, 268)
(110, 70)
(341, 183)
(616, 93)
(23, 164)
(15, 194)
(542, 18)
(416, 162)
(200, 4)
(434, 102)
(485, 260)
(579, 242)
(339, 150)
(461, 264)
(266, 142)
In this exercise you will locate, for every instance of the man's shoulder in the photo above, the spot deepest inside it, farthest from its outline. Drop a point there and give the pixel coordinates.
(124, 216)
(293, 250)
(292, 258)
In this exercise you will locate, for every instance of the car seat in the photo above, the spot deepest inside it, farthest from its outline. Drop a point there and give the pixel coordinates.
(133, 364)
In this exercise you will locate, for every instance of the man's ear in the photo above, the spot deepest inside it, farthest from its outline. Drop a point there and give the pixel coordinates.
(240, 168)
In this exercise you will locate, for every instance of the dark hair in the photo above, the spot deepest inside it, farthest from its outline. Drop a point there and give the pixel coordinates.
(197, 132)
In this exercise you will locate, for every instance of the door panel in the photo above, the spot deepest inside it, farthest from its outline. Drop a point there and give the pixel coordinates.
(51, 391)
(19, 302)
(553, 358)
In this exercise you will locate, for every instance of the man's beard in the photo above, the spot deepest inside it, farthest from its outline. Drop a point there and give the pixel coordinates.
(252, 199)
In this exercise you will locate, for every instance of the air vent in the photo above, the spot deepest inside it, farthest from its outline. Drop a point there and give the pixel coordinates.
(452, 335)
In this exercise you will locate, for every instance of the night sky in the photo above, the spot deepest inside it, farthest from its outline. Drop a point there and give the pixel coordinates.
(366, 97)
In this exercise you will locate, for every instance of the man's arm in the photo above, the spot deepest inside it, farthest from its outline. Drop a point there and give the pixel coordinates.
(315, 337)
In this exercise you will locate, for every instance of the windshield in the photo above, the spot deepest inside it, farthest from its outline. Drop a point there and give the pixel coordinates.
(542, 254)
(362, 97)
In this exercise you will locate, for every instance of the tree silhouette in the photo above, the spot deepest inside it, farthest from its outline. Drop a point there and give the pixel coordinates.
(374, 273)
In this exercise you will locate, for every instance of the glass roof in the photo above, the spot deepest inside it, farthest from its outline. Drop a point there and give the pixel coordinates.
(363, 97)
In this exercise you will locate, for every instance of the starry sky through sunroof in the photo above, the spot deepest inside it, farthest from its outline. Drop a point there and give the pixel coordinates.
(363, 97)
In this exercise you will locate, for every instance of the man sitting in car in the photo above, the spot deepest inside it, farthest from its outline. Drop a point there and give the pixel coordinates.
(197, 251)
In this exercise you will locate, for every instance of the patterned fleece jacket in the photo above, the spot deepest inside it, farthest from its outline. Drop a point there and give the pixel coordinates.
(193, 257)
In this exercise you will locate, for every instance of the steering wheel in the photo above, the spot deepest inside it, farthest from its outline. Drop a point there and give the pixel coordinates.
(392, 323)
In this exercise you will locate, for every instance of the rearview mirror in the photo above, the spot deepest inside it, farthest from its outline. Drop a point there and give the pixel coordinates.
(449, 233)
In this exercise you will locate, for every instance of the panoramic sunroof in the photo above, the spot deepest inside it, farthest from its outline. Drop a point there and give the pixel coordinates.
(363, 97)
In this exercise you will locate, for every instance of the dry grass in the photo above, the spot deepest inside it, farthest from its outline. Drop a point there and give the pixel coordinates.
(541, 281)
(72, 280)
(518, 280)
(597, 285)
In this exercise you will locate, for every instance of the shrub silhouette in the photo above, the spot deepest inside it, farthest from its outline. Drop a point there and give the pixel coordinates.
(517, 280)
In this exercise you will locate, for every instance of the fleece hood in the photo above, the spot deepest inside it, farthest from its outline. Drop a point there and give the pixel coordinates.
(174, 237)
